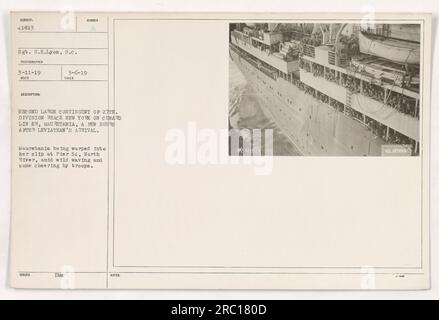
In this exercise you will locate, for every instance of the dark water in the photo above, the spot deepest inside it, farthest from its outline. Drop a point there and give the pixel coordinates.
(245, 112)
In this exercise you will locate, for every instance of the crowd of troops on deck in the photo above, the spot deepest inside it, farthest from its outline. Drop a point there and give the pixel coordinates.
(388, 134)
(313, 40)
(378, 129)
(394, 99)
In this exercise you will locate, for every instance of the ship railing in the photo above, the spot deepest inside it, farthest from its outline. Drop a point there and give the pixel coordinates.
(271, 73)
(234, 48)
(256, 64)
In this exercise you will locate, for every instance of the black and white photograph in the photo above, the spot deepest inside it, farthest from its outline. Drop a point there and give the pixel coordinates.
(325, 89)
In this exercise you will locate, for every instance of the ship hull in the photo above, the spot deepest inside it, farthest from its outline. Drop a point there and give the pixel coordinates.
(314, 127)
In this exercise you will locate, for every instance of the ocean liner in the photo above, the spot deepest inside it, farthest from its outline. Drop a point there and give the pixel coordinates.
(335, 89)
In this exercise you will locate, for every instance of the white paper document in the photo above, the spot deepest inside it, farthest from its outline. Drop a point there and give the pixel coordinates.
(220, 151)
